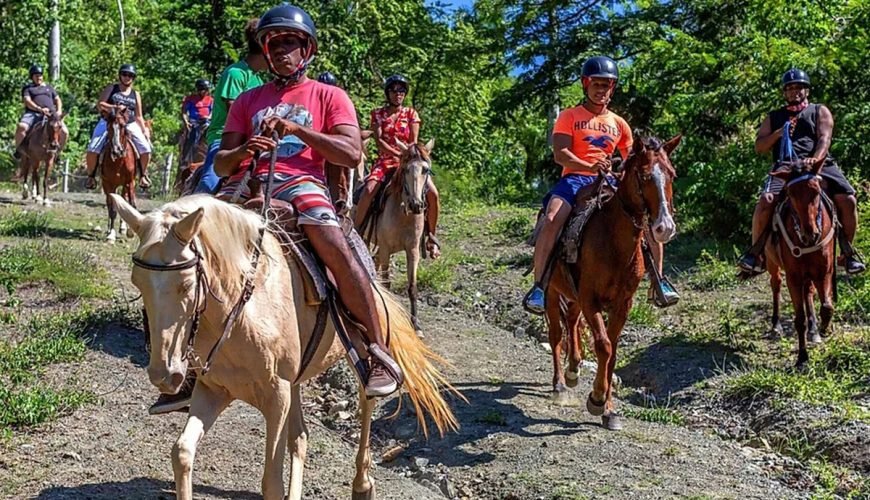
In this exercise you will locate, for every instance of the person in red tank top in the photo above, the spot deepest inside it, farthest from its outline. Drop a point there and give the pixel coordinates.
(392, 124)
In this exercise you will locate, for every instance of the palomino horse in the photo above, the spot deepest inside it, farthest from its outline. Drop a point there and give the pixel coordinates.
(42, 145)
(191, 266)
(117, 167)
(609, 269)
(804, 247)
(400, 225)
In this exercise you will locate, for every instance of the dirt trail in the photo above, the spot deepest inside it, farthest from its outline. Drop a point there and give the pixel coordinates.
(514, 442)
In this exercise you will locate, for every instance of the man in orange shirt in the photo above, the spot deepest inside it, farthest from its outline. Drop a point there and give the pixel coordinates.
(584, 139)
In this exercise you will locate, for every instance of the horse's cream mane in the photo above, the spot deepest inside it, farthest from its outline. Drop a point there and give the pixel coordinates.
(227, 235)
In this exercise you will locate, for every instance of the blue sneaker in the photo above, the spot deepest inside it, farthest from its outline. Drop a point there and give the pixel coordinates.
(534, 301)
(750, 264)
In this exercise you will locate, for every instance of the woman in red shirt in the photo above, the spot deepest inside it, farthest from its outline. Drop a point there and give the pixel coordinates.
(391, 124)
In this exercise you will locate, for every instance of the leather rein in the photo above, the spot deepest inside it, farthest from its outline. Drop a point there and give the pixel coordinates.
(779, 226)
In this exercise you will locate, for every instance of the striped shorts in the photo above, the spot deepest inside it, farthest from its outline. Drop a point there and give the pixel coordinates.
(307, 194)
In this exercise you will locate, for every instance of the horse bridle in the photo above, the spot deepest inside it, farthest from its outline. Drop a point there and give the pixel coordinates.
(778, 225)
(202, 287)
(427, 173)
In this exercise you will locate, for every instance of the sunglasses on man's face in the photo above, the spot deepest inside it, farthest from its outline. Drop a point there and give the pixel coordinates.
(128, 75)
(398, 90)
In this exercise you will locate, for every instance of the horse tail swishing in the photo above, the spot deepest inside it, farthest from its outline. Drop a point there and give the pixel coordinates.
(422, 378)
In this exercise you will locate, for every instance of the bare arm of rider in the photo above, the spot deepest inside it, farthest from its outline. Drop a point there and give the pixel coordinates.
(563, 156)
(341, 146)
(32, 106)
(415, 132)
(383, 147)
(824, 132)
(765, 139)
(58, 105)
(235, 149)
(103, 105)
(184, 117)
(139, 118)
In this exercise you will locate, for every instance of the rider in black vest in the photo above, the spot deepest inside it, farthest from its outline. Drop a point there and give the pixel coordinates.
(811, 129)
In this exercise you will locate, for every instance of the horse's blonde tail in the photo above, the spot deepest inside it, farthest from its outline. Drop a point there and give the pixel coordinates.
(423, 381)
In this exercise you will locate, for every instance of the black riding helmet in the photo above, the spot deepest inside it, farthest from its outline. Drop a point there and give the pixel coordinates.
(35, 69)
(393, 80)
(795, 75)
(127, 68)
(600, 67)
(203, 84)
(327, 78)
(287, 17)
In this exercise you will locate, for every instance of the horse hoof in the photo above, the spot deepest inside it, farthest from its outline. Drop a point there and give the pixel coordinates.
(366, 495)
(612, 421)
(419, 333)
(776, 331)
(595, 409)
(815, 339)
(572, 378)
(46, 202)
(111, 236)
(561, 395)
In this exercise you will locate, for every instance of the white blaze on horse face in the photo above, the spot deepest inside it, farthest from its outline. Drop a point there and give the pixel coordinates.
(664, 229)
(415, 184)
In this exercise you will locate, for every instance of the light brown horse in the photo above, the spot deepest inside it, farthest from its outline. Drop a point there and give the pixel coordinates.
(804, 247)
(191, 265)
(400, 225)
(609, 269)
(117, 167)
(42, 145)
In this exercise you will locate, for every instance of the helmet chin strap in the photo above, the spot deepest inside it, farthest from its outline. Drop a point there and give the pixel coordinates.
(285, 80)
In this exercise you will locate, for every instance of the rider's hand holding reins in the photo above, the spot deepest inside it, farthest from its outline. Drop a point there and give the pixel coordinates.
(280, 125)
(603, 165)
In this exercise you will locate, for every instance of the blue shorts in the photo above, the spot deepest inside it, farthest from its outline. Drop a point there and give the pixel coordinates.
(208, 180)
(568, 187)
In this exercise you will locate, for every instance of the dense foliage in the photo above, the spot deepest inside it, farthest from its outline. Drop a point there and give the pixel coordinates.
(484, 80)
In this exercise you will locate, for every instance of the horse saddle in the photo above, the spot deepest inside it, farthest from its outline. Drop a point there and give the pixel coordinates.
(588, 200)
(283, 223)
(368, 229)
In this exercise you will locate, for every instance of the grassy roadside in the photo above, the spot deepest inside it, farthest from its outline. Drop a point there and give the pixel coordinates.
(65, 303)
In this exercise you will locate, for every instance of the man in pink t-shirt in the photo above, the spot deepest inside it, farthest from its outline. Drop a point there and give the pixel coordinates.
(316, 123)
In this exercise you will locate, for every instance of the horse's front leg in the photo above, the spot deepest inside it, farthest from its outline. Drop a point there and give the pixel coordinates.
(110, 206)
(595, 403)
(382, 264)
(297, 443)
(206, 405)
(363, 482)
(130, 194)
(615, 322)
(35, 168)
(574, 321)
(412, 254)
(25, 177)
(555, 334)
(797, 290)
(825, 286)
(277, 415)
(776, 290)
(49, 165)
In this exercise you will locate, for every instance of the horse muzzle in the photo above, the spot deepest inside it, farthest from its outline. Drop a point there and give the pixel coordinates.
(167, 380)
(416, 207)
(664, 229)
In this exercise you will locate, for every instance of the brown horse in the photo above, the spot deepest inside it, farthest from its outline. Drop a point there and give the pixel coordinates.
(804, 248)
(400, 225)
(609, 269)
(192, 149)
(42, 145)
(117, 166)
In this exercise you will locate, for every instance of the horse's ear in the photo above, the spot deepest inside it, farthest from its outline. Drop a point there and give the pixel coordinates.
(637, 146)
(673, 143)
(430, 145)
(128, 213)
(188, 227)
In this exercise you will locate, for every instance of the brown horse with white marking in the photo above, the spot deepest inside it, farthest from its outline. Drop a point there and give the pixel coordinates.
(42, 145)
(805, 232)
(117, 164)
(609, 269)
